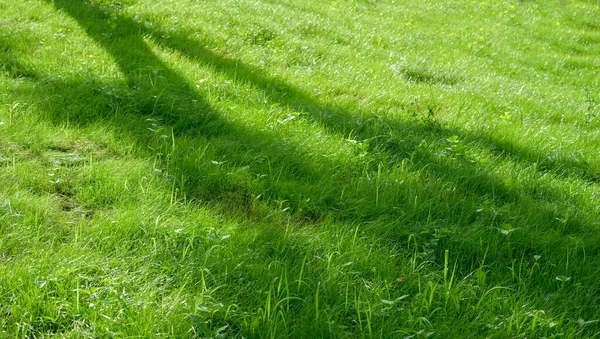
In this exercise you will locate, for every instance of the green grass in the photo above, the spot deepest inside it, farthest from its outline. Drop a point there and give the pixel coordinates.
(272, 169)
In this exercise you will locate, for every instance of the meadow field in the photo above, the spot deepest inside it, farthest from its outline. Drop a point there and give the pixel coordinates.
(299, 169)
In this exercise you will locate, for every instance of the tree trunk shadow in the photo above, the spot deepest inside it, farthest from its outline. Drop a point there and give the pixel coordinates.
(391, 141)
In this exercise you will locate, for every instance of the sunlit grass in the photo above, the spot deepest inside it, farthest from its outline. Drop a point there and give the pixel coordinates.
(299, 169)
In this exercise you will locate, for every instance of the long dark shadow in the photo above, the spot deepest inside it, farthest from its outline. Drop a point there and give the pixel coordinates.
(394, 140)
(342, 121)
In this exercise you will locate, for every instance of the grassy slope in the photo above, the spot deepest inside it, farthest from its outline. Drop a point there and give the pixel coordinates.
(299, 168)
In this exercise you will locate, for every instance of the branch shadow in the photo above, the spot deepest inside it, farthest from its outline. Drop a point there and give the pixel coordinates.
(393, 141)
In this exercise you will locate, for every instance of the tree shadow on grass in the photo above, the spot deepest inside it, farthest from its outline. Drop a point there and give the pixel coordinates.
(342, 121)
(471, 194)
(449, 192)
(160, 96)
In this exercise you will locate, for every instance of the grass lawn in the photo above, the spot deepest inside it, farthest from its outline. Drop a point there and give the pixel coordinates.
(299, 169)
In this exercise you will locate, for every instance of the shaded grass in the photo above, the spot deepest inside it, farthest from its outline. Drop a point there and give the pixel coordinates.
(239, 180)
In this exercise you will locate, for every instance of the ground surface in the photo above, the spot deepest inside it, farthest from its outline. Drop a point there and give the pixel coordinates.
(299, 169)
